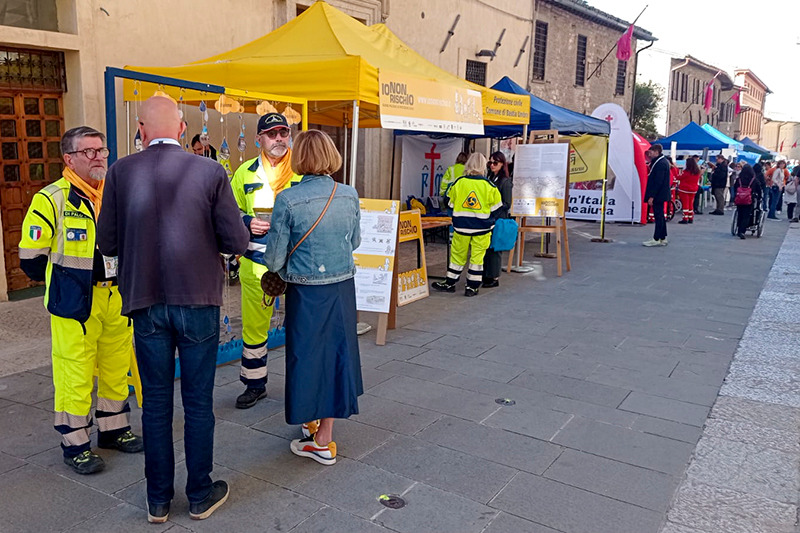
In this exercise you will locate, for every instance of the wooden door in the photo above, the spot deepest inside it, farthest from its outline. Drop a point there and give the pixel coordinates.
(31, 125)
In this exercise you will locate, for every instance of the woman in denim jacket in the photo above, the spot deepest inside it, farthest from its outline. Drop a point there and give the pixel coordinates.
(323, 367)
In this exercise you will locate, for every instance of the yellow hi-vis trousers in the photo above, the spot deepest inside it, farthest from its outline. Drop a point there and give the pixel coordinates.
(256, 317)
(104, 341)
(459, 247)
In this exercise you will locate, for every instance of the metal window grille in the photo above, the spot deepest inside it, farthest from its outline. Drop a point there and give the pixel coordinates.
(539, 50)
(580, 62)
(476, 72)
(622, 68)
(32, 69)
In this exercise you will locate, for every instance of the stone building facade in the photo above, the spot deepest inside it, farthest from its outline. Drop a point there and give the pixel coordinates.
(753, 97)
(53, 54)
(686, 96)
(782, 136)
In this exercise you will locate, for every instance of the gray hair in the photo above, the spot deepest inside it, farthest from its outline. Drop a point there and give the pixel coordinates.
(69, 141)
(475, 165)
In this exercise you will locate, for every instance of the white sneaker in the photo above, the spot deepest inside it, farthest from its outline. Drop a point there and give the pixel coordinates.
(362, 327)
(651, 242)
(663, 242)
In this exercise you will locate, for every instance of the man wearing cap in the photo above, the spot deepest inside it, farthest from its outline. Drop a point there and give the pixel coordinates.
(255, 185)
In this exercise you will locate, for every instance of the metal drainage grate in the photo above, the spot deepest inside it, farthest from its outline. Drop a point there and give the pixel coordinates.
(505, 401)
(392, 501)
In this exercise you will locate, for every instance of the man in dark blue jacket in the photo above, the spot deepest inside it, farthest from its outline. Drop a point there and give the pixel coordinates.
(657, 193)
(169, 215)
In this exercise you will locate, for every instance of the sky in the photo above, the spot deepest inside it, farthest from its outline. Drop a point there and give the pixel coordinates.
(763, 36)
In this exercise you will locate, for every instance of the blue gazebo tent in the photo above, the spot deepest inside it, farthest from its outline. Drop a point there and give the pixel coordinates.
(692, 138)
(546, 116)
(732, 143)
(751, 146)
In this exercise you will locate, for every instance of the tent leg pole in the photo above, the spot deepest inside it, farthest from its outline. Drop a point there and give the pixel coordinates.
(354, 148)
(525, 134)
(128, 128)
(602, 237)
(344, 150)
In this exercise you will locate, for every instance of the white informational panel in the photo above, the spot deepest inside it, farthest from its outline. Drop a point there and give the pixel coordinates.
(374, 259)
(540, 180)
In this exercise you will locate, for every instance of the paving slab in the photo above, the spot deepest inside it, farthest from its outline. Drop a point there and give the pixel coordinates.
(416, 370)
(493, 444)
(459, 345)
(68, 503)
(8, 462)
(666, 408)
(554, 505)
(32, 432)
(26, 387)
(528, 419)
(124, 517)
(394, 416)
(507, 523)
(330, 520)
(632, 484)
(625, 445)
(656, 385)
(441, 467)
(576, 389)
(667, 428)
(454, 363)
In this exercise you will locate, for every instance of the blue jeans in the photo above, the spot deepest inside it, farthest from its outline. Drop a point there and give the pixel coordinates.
(194, 331)
(774, 198)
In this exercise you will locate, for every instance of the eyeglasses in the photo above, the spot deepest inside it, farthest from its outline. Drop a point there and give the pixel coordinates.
(273, 134)
(92, 153)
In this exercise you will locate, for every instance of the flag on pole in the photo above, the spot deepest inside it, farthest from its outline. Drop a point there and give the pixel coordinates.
(737, 98)
(794, 145)
(624, 44)
(709, 98)
(781, 148)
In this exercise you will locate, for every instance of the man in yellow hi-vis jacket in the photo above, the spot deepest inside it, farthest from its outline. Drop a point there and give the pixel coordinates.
(475, 201)
(88, 331)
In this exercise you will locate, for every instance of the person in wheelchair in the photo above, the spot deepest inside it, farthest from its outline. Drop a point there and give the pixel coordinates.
(747, 214)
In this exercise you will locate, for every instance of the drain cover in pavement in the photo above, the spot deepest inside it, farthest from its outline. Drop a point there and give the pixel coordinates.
(505, 401)
(392, 501)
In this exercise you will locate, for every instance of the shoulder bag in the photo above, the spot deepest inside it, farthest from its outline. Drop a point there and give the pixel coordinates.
(271, 283)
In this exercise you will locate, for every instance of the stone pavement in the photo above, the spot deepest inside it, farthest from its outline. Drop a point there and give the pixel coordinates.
(613, 371)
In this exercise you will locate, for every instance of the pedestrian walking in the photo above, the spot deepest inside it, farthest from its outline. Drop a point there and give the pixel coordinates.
(758, 169)
(657, 192)
(315, 228)
(776, 177)
(475, 202)
(169, 215)
(748, 193)
(58, 247)
(688, 182)
(499, 176)
(719, 181)
(793, 194)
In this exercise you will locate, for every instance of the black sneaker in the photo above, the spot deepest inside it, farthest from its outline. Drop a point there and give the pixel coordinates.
(157, 513)
(250, 397)
(126, 442)
(204, 509)
(443, 286)
(85, 463)
(470, 292)
(489, 283)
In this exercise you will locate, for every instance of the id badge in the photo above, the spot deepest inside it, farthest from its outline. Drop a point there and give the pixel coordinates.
(110, 264)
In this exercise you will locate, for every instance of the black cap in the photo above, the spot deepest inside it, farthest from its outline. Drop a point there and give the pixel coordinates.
(271, 121)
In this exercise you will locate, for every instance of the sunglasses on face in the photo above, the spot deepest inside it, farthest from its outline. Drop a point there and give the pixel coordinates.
(494, 162)
(273, 134)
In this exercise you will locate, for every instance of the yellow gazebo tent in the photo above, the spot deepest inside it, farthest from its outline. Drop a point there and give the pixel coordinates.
(326, 57)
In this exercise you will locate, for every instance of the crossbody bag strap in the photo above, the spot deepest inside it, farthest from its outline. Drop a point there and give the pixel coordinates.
(335, 185)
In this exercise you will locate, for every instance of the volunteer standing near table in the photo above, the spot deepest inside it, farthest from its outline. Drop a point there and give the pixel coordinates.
(255, 184)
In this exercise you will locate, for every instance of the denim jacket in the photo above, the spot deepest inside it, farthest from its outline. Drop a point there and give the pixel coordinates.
(326, 256)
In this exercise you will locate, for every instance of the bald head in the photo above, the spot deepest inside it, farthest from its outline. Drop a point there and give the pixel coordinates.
(159, 118)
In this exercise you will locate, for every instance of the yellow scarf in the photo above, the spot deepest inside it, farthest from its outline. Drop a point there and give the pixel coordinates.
(281, 173)
(94, 195)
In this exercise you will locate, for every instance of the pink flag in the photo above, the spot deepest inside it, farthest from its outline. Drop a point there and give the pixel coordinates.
(781, 148)
(709, 97)
(737, 97)
(624, 44)
(794, 145)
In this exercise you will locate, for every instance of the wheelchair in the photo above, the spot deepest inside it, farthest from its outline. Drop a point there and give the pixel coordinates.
(757, 220)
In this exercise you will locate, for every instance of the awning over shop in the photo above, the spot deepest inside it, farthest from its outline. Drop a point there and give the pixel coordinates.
(692, 137)
(546, 116)
(732, 143)
(329, 58)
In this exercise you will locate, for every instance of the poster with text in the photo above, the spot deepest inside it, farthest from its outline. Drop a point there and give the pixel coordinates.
(374, 258)
(540, 180)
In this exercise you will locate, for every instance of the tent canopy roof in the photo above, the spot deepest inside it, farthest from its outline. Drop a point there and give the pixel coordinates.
(547, 116)
(722, 137)
(323, 55)
(692, 137)
(751, 146)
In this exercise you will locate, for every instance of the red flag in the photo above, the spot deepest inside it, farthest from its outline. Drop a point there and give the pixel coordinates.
(709, 98)
(737, 97)
(781, 148)
(624, 44)
(794, 145)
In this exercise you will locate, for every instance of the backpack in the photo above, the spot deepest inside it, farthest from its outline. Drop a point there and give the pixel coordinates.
(744, 195)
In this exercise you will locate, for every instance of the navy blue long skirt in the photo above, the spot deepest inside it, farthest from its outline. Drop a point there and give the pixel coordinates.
(323, 366)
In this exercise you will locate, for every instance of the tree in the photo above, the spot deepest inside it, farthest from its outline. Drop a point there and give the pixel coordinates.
(646, 106)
